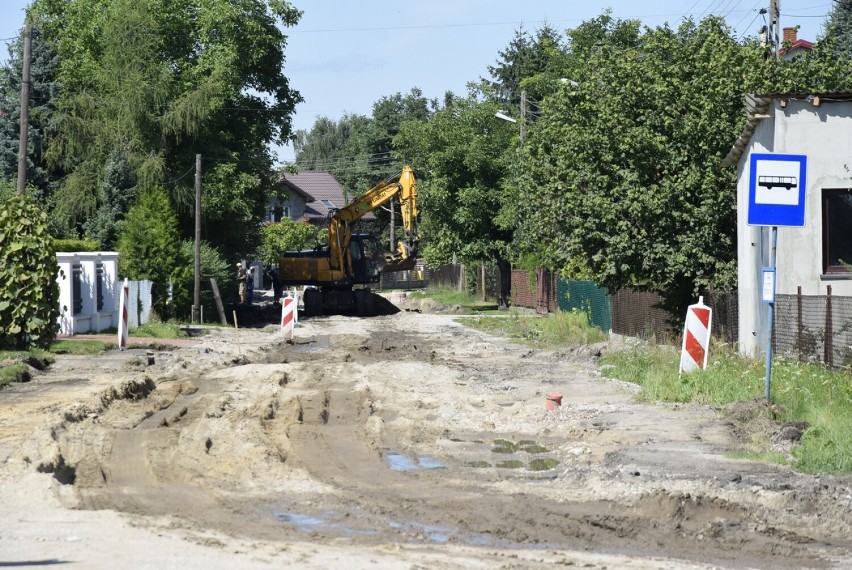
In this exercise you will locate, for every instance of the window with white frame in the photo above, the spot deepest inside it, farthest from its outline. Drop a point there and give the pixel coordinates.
(836, 233)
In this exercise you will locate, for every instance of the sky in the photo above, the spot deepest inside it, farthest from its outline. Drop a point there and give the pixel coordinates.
(345, 55)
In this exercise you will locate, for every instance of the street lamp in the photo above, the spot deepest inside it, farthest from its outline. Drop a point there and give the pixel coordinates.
(505, 117)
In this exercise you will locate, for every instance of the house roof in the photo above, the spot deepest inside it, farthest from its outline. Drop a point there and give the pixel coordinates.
(324, 190)
(796, 46)
(296, 189)
(757, 107)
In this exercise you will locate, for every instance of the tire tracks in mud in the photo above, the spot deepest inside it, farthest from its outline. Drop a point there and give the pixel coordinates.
(133, 469)
(451, 505)
(325, 417)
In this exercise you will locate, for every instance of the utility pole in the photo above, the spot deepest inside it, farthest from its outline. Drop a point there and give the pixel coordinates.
(25, 111)
(196, 299)
(523, 115)
(775, 27)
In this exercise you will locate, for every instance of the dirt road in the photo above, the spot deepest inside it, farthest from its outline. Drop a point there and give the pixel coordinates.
(401, 441)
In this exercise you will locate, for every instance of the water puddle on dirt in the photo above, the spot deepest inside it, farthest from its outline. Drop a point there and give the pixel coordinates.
(303, 523)
(434, 533)
(400, 462)
(355, 524)
(524, 455)
(307, 523)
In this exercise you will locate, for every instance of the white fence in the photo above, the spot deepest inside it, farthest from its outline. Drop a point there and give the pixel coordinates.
(138, 304)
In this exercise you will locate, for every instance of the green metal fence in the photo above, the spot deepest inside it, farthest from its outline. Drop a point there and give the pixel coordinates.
(587, 297)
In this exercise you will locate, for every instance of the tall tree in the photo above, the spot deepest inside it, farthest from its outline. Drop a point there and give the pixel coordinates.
(389, 113)
(44, 91)
(357, 150)
(333, 146)
(838, 26)
(463, 155)
(157, 81)
(150, 244)
(625, 166)
(525, 56)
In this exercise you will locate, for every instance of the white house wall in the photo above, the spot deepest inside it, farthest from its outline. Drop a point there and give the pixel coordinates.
(296, 206)
(752, 252)
(89, 319)
(824, 135)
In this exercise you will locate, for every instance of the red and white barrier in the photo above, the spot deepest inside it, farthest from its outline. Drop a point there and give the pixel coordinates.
(124, 296)
(288, 316)
(696, 337)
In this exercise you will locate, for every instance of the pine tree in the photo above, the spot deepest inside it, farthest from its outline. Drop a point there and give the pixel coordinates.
(149, 243)
(44, 90)
(838, 27)
(524, 57)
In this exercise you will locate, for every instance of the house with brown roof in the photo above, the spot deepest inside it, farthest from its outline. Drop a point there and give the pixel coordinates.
(793, 46)
(314, 194)
(292, 203)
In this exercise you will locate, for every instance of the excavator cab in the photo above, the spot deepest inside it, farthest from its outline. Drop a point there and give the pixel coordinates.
(367, 259)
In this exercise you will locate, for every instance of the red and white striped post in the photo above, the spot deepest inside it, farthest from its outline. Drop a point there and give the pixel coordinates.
(122, 315)
(696, 337)
(288, 316)
(295, 294)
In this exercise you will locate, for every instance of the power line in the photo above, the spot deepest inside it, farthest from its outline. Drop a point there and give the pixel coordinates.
(349, 164)
(735, 4)
(753, 9)
(691, 8)
(371, 156)
(254, 109)
(809, 8)
(756, 16)
(191, 168)
(345, 161)
(710, 7)
(486, 24)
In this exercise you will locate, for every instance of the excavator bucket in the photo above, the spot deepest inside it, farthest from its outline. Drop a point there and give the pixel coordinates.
(398, 265)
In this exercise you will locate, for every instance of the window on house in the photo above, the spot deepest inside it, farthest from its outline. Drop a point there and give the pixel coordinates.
(277, 213)
(287, 212)
(77, 289)
(328, 204)
(836, 237)
(99, 286)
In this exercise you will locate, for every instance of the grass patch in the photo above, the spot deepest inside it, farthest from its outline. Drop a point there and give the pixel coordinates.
(17, 372)
(553, 330)
(80, 347)
(16, 365)
(800, 393)
(159, 330)
(453, 297)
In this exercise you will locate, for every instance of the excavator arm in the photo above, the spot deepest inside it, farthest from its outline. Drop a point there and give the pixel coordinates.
(403, 187)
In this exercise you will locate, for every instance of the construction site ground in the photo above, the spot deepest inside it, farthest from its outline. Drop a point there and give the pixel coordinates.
(404, 440)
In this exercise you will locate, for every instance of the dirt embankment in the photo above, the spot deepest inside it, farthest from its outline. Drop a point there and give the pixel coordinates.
(403, 440)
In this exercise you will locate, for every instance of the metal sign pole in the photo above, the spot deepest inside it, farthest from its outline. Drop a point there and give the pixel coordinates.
(777, 193)
(770, 311)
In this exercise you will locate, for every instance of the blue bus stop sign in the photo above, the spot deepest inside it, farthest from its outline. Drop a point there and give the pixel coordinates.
(776, 190)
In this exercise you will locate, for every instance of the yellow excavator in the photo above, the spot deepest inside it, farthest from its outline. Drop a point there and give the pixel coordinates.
(337, 272)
